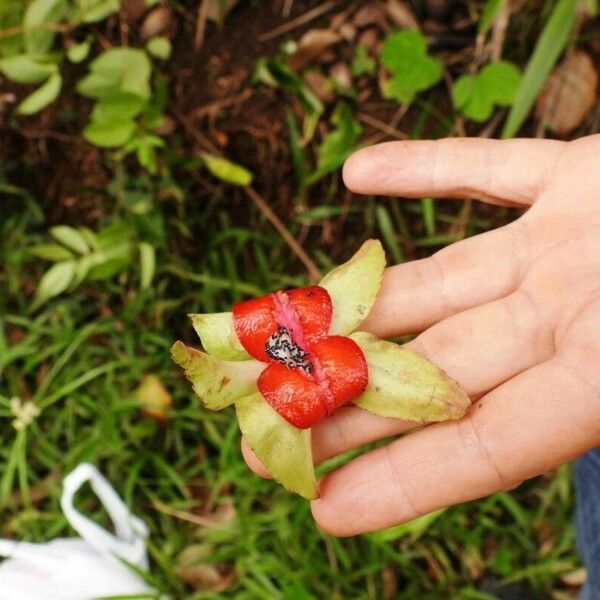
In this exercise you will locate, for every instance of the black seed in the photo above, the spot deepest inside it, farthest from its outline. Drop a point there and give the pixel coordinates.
(281, 347)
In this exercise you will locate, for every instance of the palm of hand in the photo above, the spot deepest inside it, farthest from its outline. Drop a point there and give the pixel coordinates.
(513, 315)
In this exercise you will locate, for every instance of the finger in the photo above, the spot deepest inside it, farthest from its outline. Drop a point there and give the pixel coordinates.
(540, 419)
(416, 294)
(497, 171)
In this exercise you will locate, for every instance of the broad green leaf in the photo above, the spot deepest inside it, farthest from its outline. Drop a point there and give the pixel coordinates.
(339, 143)
(217, 334)
(52, 252)
(226, 170)
(77, 53)
(218, 383)
(147, 264)
(54, 282)
(354, 286)
(284, 450)
(476, 95)
(120, 106)
(105, 134)
(71, 238)
(39, 17)
(406, 386)
(118, 69)
(404, 54)
(159, 47)
(549, 47)
(25, 68)
(44, 95)
(98, 10)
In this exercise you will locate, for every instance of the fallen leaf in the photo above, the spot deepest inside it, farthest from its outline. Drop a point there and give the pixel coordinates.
(159, 21)
(341, 74)
(569, 95)
(370, 14)
(401, 14)
(154, 398)
(194, 568)
(319, 85)
(311, 45)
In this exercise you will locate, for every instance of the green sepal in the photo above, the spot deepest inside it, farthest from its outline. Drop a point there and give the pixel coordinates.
(407, 386)
(218, 336)
(353, 287)
(218, 383)
(282, 448)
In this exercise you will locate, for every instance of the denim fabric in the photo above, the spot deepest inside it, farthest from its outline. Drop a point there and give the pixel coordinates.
(587, 520)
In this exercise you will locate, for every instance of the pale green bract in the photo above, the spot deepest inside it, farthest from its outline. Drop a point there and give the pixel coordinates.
(401, 384)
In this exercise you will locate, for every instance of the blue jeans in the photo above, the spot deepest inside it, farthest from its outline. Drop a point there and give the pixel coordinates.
(587, 520)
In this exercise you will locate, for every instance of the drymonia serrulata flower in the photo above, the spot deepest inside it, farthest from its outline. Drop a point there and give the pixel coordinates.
(289, 359)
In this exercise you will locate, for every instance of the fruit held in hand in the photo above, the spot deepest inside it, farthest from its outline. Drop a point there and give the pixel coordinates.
(289, 359)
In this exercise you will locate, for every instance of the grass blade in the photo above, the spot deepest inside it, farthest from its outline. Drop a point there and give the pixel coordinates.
(549, 47)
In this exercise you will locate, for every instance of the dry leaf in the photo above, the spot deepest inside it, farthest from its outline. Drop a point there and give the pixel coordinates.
(159, 21)
(340, 73)
(372, 13)
(311, 45)
(319, 84)
(214, 577)
(155, 400)
(219, 9)
(569, 94)
(401, 14)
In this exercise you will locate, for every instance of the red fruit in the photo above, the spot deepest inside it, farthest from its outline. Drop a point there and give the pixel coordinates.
(310, 374)
(314, 309)
(294, 394)
(343, 367)
(254, 323)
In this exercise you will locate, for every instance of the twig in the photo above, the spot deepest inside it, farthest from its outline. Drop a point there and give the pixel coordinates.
(313, 271)
(307, 17)
(217, 105)
(387, 129)
(200, 24)
(200, 138)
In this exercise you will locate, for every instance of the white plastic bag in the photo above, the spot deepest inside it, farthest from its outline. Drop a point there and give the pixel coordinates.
(83, 568)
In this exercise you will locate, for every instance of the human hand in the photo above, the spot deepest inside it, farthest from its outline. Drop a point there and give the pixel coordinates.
(513, 315)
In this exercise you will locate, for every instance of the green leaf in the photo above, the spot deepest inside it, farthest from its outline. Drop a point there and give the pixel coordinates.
(404, 54)
(415, 528)
(226, 170)
(362, 62)
(284, 450)
(339, 143)
(403, 385)
(106, 134)
(25, 68)
(120, 106)
(354, 286)
(98, 10)
(476, 95)
(54, 282)
(77, 53)
(153, 397)
(43, 96)
(118, 69)
(549, 47)
(147, 264)
(71, 238)
(218, 383)
(52, 252)
(41, 13)
(159, 47)
(217, 334)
